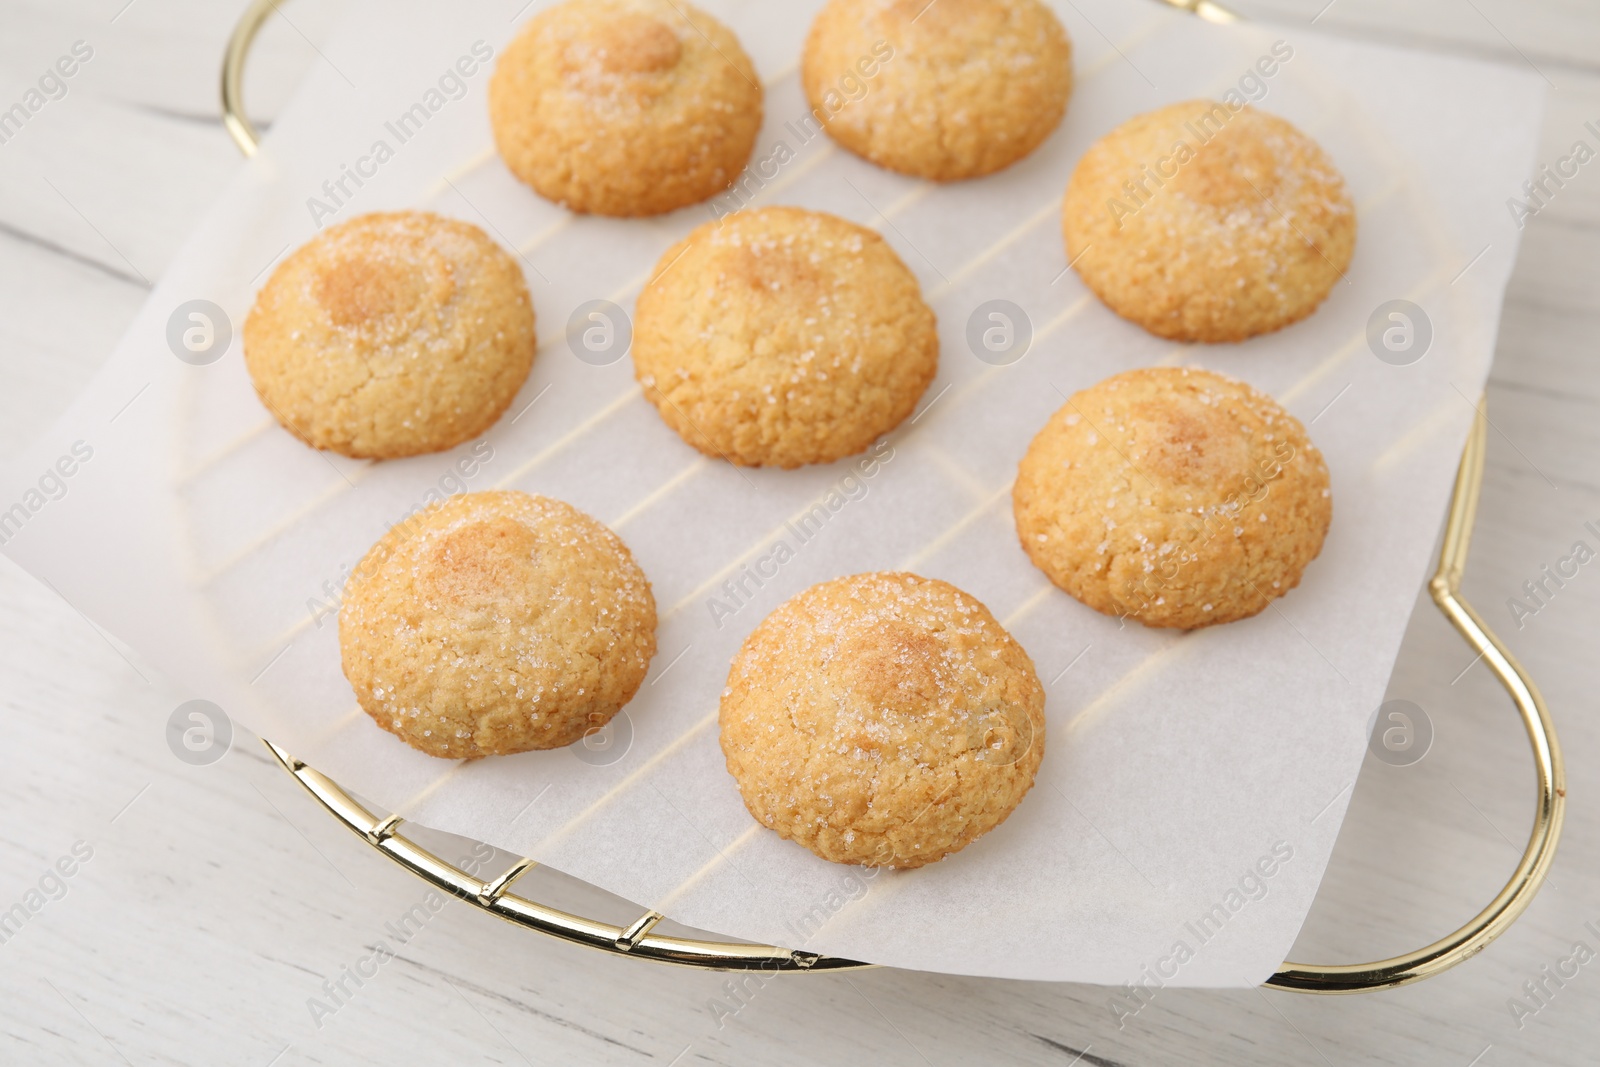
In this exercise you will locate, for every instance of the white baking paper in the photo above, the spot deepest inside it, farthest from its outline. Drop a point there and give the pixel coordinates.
(1192, 785)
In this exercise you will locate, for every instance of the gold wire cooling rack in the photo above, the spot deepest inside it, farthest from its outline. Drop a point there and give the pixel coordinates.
(638, 938)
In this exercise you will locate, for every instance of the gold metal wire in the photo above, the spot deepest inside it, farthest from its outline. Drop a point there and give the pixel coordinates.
(639, 939)
(234, 116)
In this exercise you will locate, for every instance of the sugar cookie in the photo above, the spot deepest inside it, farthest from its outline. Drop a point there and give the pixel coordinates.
(882, 719)
(625, 107)
(1201, 223)
(1176, 497)
(779, 337)
(391, 335)
(496, 622)
(946, 90)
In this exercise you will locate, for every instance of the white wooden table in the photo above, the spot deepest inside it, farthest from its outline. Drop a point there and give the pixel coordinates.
(215, 901)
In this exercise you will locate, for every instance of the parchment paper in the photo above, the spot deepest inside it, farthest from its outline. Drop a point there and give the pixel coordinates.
(1192, 785)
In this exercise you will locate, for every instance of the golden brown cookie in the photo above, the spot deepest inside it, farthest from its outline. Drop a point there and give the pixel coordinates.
(1173, 496)
(948, 90)
(625, 107)
(1201, 223)
(391, 335)
(496, 622)
(882, 719)
(779, 337)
